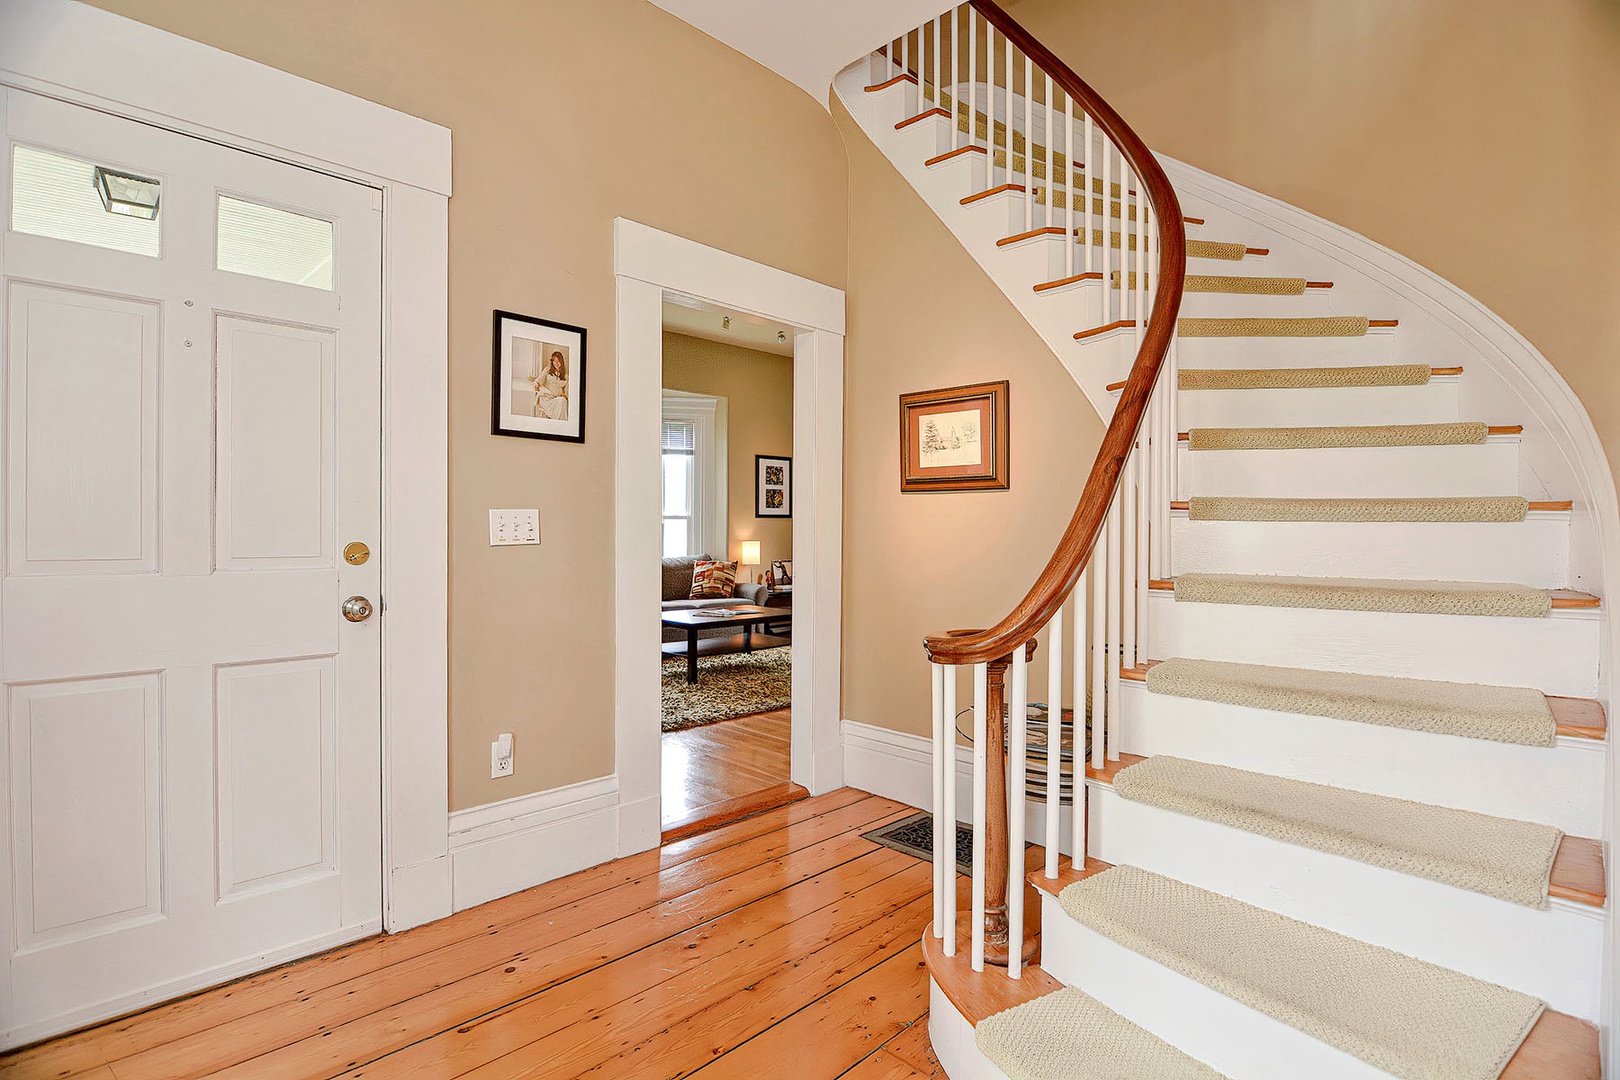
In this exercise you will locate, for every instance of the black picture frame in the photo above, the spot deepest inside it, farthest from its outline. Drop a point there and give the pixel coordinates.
(540, 420)
(764, 491)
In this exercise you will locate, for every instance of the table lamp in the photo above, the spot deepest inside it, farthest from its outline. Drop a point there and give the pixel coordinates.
(749, 555)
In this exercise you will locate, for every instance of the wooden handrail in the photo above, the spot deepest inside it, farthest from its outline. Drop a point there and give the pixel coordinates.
(1062, 571)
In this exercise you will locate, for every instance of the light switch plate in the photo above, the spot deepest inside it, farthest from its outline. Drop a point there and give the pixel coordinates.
(514, 527)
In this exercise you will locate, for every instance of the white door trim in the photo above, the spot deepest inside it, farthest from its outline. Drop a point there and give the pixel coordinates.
(80, 54)
(647, 263)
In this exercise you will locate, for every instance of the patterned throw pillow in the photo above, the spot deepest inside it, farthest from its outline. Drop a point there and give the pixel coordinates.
(782, 572)
(713, 580)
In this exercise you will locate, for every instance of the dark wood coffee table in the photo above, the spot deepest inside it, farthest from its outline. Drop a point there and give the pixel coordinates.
(742, 616)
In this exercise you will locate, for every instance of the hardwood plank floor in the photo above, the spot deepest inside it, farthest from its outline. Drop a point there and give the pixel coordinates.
(718, 763)
(785, 937)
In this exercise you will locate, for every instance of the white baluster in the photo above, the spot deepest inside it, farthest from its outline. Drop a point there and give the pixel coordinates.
(1091, 170)
(1140, 209)
(989, 105)
(973, 78)
(1017, 762)
(1175, 419)
(946, 822)
(1054, 732)
(905, 68)
(941, 725)
(939, 100)
(1077, 765)
(1050, 217)
(981, 708)
(1099, 642)
(1139, 572)
(1068, 182)
(1007, 174)
(1115, 614)
(956, 67)
(1129, 500)
(1029, 146)
(1110, 294)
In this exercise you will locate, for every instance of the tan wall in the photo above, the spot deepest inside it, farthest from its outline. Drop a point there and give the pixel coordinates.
(1480, 138)
(923, 315)
(564, 115)
(758, 388)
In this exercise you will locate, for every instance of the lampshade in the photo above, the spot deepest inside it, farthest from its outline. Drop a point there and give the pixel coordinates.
(750, 553)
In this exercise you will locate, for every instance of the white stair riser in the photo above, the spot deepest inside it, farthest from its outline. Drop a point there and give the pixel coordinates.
(952, 1039)
(1393, 472)
(1231, 1038)
(1561, 786)
(1557, 654)
(1433, 403)
(1376, 347)
(1556, 953)
(1534, 551)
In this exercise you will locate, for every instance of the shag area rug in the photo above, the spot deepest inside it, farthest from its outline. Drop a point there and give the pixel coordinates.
(728, 687)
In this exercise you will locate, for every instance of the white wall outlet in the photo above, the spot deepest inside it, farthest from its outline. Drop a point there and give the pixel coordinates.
(513, 527)
(500, 756)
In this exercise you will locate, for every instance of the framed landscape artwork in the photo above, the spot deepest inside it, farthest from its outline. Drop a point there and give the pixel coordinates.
(954, 439)
(539, 378)
(773, 486)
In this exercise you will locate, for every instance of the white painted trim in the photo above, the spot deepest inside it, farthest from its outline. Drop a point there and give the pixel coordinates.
(647, 262)
(92, 57)
(711, 417)
(86, 56)
(141, 999)
(502, 847)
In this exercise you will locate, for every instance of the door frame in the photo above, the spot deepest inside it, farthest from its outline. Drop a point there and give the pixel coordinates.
(85, 56)
(647, 263)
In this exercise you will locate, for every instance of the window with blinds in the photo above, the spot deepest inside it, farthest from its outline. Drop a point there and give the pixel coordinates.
(680, 459)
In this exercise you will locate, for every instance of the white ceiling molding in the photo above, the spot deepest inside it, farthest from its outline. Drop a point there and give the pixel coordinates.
(806, 42)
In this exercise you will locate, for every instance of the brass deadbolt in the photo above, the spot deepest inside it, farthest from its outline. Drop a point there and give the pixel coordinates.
(356, 553)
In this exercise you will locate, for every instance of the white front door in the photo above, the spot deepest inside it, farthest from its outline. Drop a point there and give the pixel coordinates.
(190, 431)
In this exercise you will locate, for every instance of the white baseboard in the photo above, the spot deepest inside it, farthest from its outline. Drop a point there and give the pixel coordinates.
(502, 848)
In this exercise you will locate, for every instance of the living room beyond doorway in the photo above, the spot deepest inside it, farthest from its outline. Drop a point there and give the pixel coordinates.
(727, 571)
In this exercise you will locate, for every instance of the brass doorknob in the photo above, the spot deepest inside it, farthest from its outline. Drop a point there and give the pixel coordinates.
(357, 609)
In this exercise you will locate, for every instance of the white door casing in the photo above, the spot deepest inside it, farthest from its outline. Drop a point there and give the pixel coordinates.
(193, 729)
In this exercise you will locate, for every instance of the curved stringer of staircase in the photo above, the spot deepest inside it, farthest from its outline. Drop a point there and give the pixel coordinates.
(1344, 762)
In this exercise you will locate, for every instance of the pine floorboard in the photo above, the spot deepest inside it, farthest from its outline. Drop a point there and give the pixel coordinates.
(782, 938)
(716, 763)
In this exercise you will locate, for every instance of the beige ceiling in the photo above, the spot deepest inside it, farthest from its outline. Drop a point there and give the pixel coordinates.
(806, 42)
(707, 321)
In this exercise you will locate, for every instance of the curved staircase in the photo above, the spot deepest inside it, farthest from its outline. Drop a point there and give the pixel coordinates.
(1345, 753)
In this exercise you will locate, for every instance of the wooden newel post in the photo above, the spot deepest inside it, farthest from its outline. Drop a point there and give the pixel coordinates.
(997, 949)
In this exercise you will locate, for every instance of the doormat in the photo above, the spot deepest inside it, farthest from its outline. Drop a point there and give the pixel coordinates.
(914, 836)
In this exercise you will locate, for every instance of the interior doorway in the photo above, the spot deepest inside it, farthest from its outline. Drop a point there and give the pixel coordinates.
(726, 588)
(649, 267)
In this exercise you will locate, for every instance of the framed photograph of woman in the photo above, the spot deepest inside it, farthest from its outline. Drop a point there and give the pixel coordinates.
(539, 378)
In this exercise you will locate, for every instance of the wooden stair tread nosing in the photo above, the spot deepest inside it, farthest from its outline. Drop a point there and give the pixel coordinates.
(979, 995)
(979, 195)
(1577, 871)
(1192, 220)
(908, 121)
(1094, 275)
(907, 77)
(1490, 429)
(949, 154)
(1574, 718)
(1562, 599)
(1559, 1046)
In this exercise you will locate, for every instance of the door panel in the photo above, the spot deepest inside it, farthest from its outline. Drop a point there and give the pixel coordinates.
(82, 405)
(193, 747)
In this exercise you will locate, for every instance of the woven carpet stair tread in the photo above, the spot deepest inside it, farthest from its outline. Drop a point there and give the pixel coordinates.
(1464, 433)
(1316, 378)
(1513, 714)
(1501, 857)
(1410, 1018)
(1072, 1035)
(1483, 508)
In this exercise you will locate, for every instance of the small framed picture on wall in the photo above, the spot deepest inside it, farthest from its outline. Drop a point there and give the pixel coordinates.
(773, 486)
(955, 439)
(539, 378)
